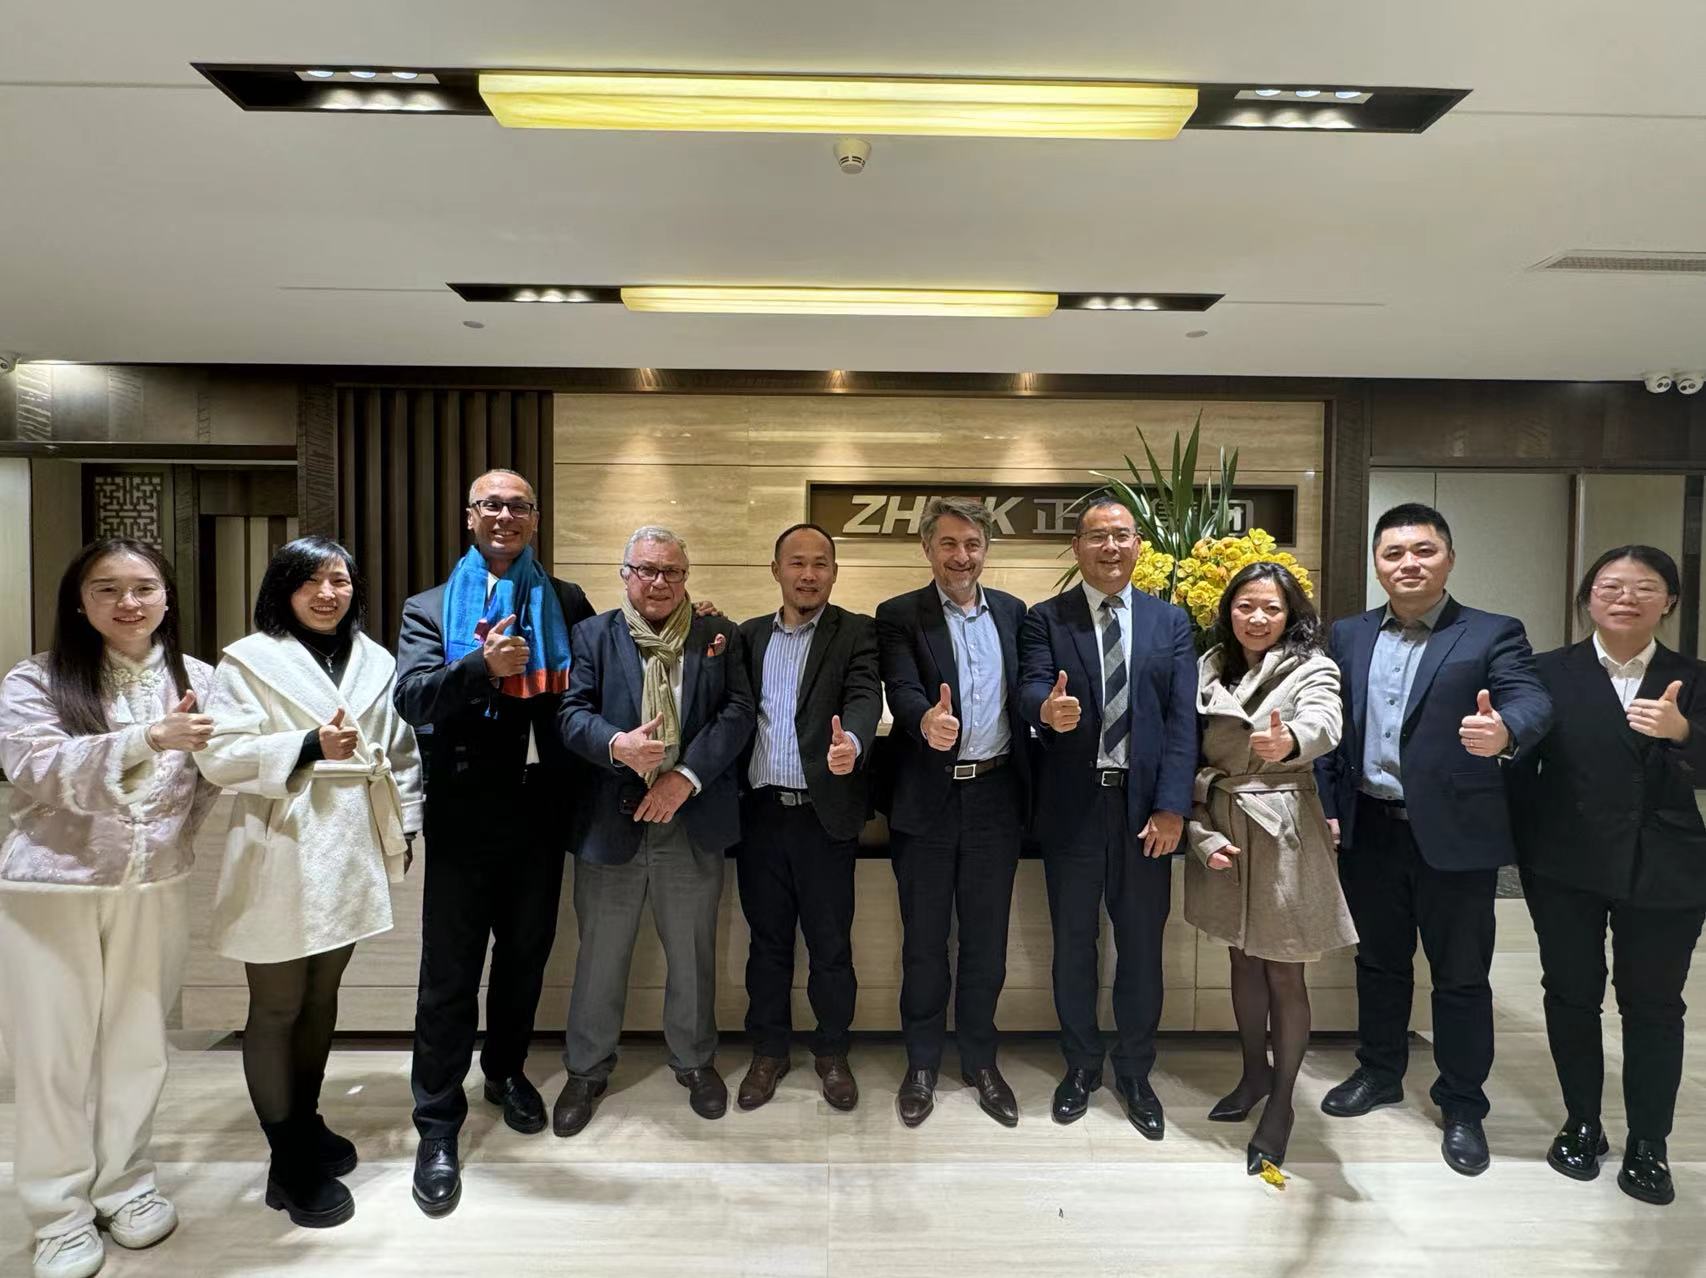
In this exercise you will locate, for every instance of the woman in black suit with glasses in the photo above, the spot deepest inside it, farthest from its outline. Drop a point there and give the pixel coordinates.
(1609, 833)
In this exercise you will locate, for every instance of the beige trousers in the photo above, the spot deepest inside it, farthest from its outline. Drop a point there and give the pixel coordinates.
(86, 979)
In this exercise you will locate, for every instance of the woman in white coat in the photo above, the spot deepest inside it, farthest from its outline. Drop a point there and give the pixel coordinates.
(329, 800)
(96, 736)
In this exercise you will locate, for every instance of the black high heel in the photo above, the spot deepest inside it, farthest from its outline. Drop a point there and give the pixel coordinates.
(1228, 1110)
(1255, 1156)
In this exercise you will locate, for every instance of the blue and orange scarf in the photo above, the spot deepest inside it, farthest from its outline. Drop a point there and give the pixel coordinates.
(524, 591)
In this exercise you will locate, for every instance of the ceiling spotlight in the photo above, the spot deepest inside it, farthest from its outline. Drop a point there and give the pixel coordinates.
(320, 73)
(1309, 93)
(1347, 94)
(526, 295)
(1148, 304)
(404, 75)
(473, 323)
(1267, 93)
(364, 75)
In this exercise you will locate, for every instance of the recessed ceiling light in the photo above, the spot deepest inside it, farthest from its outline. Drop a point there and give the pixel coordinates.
(320, 73)
(1309, 93)
(1346, 94)
(404, 75)
(831, 300)
(1267, 93)
(473, 323)
(364, 75)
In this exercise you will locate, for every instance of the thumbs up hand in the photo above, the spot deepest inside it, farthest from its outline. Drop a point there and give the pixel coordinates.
(1273, 742)
(638, 749)
(1663, 718)
(842, 753)
(181, 729)
(336, 741)
(505, 654)
(1484, 733)
(938, 726)
(1060, 711)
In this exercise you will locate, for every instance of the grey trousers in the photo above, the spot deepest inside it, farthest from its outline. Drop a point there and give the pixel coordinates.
(684, 886)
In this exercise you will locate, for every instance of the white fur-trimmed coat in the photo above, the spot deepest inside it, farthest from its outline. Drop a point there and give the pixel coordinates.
(311, 850)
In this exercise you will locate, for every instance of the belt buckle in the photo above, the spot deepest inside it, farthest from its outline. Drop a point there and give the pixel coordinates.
(789, 798)
(965, 771)
(1109, 778)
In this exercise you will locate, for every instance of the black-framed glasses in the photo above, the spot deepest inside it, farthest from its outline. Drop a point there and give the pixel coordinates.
(651, 572)
(492, 506)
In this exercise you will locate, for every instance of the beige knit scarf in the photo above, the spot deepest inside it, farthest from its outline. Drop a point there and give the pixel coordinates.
(660, 654)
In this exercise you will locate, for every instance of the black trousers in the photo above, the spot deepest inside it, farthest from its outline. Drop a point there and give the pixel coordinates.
(1651, 949)
(1394, 894)
(1138, 890)
(494, 872)
(963, 865)
(792, 874)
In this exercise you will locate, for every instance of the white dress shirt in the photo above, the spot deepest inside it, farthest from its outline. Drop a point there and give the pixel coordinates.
(1099, 615)
(1625, 676)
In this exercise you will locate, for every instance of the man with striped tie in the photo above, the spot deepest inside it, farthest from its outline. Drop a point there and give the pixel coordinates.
(1108, 679)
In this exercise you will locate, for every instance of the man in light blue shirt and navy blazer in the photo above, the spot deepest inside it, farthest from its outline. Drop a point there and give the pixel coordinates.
(950, 663)
(1437, 699)
(813, 669)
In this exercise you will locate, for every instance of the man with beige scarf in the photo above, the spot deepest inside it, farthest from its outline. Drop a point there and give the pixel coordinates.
(660, 703)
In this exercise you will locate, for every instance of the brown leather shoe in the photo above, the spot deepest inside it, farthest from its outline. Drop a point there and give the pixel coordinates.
(839, 1087)
(994, 1097)
(707, 1094)
(759, 1085)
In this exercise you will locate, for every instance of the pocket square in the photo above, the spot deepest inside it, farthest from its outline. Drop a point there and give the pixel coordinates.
(716, 646)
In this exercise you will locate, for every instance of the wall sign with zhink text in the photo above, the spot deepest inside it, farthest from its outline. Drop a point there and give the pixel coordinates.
(1022, 512)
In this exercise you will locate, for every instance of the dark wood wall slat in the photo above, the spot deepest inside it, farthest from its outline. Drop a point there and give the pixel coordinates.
(370, 534)
(424, 514)
(452, 497)
(348, 463)
(396, 547)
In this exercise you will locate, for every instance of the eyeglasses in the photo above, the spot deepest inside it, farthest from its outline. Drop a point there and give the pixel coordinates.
(492, 506)
(1120, 537)
(1644, 591)
(109, 595)
(650, 572)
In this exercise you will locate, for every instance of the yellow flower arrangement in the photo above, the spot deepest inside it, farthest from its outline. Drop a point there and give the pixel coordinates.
(1197, 581)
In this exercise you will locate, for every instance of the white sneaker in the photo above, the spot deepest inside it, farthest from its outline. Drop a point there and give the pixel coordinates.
(143, 1221)
(78, 1254)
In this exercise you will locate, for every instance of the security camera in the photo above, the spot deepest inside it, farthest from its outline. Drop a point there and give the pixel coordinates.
(1658, 383)
(1690, 383)
(7, 362)
(851, 154)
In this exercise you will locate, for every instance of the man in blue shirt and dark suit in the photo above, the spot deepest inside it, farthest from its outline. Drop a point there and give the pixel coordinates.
(950, 660)
(1437, 697)
(1108, 675)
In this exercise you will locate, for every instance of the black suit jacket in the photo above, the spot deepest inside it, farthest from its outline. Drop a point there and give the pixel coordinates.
(1060, 634)
(469, 732)
(840, 678)
(917, 657)
(1604, 808)
(1457, 802)
(605, 687)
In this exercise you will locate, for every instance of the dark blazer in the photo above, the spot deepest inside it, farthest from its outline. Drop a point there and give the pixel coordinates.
(605, 686)
(1457, 802)
(469, 732)
(916, 654)
(1601, 807)
(1060, 634)
(840, 678)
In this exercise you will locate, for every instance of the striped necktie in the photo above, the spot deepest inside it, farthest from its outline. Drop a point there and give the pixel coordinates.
(1116, 701)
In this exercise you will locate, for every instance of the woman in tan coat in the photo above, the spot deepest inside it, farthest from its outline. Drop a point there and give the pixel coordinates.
(1263, 877)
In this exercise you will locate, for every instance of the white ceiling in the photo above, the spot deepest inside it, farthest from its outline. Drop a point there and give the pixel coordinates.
(143, 217)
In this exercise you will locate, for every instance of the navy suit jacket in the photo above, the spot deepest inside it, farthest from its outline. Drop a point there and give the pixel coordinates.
(1060, 634)
(1457, 802)
(916, 654)
(605, 685)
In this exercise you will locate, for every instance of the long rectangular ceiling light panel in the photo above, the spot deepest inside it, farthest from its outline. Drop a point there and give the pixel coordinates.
(718, 299)
(888, 105)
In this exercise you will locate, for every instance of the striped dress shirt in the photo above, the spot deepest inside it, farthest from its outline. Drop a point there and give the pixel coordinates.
(776, 748)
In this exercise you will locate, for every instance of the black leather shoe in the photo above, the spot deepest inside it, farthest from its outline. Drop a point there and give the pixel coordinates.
(994, 1097)
(916, 1097)
(1577, 1149)
(524, 1108)
(1072, 1097)
(1646, 1173)
(1465, 1146)
(573, 1109)
(1359, 1094)
(438, 1177)
(706, 1091)
(1142, 1106)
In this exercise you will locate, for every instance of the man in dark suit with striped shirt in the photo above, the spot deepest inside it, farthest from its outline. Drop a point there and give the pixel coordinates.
(813, 670)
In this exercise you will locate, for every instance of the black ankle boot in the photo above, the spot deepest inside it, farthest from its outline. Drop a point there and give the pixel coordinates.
(296, 1183)
(335, 1154)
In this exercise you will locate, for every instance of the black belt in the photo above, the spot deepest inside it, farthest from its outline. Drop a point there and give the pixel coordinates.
(1108, 778)
(1394, 809)
(970, 771)
(787, 798)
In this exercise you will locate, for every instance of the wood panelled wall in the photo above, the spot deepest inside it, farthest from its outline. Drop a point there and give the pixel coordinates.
(401, 461)
(729, 472)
